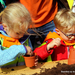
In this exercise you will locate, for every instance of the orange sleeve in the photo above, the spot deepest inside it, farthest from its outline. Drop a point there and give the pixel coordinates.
(42, 11)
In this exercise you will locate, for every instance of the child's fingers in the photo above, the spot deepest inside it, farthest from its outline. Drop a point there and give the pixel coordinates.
(36, 58)
(36, 63)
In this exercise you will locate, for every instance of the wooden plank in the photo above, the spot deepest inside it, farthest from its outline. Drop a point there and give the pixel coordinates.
(23, 70)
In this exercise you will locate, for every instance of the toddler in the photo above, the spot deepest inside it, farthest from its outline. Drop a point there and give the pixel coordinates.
(59, 43)
(14, 39)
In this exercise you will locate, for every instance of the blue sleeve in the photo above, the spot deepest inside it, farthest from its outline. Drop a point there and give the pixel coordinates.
(11, 53)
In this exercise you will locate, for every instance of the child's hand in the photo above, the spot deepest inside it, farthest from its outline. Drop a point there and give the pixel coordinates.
(36, 60)
(55, 42)
(29, 50)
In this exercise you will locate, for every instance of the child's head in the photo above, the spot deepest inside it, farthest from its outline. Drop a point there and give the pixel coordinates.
(65, 24)
(16, 19)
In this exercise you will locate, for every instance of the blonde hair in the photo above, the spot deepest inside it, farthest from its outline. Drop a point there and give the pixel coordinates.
(16, 17)
(64, 20)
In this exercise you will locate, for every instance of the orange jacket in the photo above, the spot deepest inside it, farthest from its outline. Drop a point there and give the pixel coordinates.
(8, 41)
(42, 11)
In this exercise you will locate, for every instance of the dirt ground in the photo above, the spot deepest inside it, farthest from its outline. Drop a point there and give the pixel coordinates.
(60, 69)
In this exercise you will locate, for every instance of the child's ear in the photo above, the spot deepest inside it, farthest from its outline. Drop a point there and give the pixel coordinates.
(57, 31)
(4, 26)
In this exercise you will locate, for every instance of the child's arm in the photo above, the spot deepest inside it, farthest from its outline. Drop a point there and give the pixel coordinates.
(47, 49)
(11, 53)
(54, 42)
